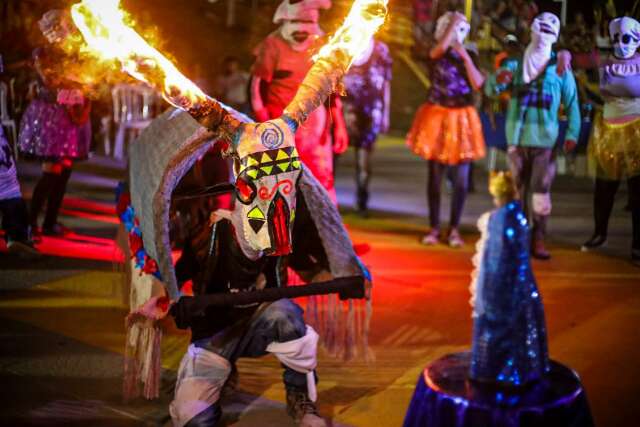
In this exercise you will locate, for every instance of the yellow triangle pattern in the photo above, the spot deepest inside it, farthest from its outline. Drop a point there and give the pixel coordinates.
(255, 213)
(282, 155)
(266, 169)
(265, 158)
(284, 166)
(253, 173)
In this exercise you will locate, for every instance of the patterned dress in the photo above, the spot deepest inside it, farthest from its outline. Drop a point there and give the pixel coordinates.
(364, 106)
(447, 127)
(56, 124)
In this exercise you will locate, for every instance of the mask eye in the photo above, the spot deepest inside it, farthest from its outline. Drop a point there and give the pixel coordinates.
(626, 39)
(245, 190)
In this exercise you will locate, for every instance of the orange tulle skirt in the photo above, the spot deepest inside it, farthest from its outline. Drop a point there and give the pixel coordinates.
(447, 135)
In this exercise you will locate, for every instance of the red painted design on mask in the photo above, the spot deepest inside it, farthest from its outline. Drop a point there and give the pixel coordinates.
(282, 242)
(286, 185)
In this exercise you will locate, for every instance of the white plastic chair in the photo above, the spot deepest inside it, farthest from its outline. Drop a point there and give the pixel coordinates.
(5, 119)
(133, 110)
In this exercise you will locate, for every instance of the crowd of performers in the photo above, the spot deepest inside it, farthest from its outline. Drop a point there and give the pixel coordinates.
(263, 236)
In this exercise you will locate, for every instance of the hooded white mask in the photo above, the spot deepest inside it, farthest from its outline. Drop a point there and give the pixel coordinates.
(545, 30)
(298, 21)
(625, 37)
(462, 29)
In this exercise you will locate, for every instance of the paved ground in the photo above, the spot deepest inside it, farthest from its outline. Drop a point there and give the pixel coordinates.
(62, 333)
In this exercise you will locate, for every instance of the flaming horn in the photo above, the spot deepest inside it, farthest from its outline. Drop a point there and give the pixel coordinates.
(108, 37)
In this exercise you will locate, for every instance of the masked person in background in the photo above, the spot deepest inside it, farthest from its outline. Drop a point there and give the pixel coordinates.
(55, 128)
(446, 130)
(537, 91)
(614, 147)
(366, 110)
(282, 61)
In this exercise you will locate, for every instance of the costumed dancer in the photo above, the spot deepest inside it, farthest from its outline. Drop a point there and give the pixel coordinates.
(55, 127)
(282, 61)
(615, 142)
(367, 109)
(446, 130)
(281, 217)
(538, 89)
(509, 333)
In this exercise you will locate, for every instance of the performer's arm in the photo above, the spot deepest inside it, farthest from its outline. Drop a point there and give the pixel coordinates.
(475, 76)
(340, 136)
(572, 107)
(448, 39)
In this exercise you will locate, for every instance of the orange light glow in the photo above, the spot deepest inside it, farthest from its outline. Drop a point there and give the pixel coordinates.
(108, 37)
(353, 36)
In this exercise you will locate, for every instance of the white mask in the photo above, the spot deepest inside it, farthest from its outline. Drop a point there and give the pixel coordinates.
(545, 29)
(544, 33)
(299, 35)
(625, 37)
(461, 30)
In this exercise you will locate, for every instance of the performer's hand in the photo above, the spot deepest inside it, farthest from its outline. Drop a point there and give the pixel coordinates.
(340, 139)
(459, 48)
(262, 115)
(155, 308)
(570, 145)
(564, 62)
(504, 77)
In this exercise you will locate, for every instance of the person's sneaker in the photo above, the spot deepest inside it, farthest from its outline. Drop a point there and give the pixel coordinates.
(57, 230)
(431, 238)
(538, 250)
(596, 241)
(455, 240)
(303, 410)
(24, 250)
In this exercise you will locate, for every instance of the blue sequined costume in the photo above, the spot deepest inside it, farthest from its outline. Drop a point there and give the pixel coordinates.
(509, 333)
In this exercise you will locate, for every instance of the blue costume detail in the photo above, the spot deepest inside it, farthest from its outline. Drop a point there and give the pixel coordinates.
(509, 333)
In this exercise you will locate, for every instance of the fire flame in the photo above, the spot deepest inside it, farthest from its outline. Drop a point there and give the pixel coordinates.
(108, 37)
(353, 36)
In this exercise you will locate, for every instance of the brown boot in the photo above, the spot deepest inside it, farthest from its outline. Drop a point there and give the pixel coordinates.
(303, 410)
(538, 250)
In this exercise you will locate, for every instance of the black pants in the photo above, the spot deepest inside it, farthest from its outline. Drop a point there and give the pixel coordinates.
(603, 198)
(50, 188)
(363, 176)
(15, 219)
(459, 175)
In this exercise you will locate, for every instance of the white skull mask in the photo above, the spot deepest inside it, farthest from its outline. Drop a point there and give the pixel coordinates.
(545, 29)
(461, 30)
(625, 36)
(267, 170)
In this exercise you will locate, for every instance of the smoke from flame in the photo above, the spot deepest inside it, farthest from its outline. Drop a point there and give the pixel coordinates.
(107, 36)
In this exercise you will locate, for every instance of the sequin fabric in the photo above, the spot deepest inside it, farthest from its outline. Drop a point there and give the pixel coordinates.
(614, 149)
(47, 132)
(509, 333)
(364, 103)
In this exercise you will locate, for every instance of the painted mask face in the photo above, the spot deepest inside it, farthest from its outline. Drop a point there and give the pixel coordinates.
(266, 173)
(461, 30)
(299, 34)
(625, 37)
(545, 28)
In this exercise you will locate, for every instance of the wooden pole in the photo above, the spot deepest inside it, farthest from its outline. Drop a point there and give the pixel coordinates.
(468, 8)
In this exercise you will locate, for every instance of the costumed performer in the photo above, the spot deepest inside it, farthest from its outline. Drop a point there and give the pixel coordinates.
(55, 128)
(446, 130)
(367, 110)
(283, 59)
(538, 89)
(614, 148)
